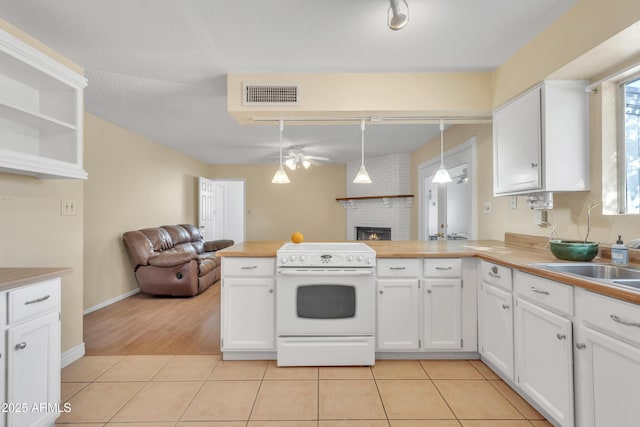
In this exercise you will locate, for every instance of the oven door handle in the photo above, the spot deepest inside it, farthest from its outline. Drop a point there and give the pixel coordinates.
(342, 273)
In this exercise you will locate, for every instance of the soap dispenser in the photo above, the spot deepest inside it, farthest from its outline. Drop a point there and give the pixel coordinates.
(619, 253)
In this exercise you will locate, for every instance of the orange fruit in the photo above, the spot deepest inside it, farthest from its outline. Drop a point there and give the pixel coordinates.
(297, 237)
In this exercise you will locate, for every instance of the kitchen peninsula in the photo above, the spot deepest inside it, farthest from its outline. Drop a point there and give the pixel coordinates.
(541, 331)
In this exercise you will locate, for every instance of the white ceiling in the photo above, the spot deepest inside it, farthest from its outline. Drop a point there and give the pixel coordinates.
(158, 67)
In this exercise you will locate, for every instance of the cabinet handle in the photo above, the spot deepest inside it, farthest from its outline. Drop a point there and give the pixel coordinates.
(624, 322)
(538, 291)
(21, 346)
(428, 291)
(580, 346)
(397, 268)
(37, 300)
(505, 306)
(561, 336)
(497, 276)
(250, 267)
(444, 268)
(270, 291)
(381, 292)
(534, 165)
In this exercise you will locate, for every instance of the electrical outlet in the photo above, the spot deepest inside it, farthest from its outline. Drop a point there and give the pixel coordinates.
(68, 208)
(514, 202)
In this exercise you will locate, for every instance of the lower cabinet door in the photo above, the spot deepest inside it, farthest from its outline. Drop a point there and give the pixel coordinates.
(495, 328)
(544, 359)
(608, 380)
(248, 318)
(33, 373)
(442, 318)
(397, 319)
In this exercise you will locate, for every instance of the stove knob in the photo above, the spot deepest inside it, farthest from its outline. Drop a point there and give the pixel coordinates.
(360, 258)
(369, 261)
(284, 260)
(350, 258)
(292, 258)
(303, 258)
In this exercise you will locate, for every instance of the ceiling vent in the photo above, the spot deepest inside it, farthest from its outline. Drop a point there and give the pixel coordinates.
(266, 94)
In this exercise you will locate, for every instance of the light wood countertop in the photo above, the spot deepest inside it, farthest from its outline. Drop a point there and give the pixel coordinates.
(15, 277)
(516, 257)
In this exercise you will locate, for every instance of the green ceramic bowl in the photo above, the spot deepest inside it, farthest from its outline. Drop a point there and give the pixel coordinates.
(573, 250)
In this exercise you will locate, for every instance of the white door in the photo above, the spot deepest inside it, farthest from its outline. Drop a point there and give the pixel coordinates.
(221, 213)
(442, 318)
(206, 208)
(33, 374)
(495, 328)
(447, 210)
(397, 320)
(608, 380)
(544, 359)
(248, 319)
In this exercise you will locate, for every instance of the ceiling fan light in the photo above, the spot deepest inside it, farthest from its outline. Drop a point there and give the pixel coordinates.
(362, 177)
(442, 176)
(291, 163)
(306, 163)
(280, 177)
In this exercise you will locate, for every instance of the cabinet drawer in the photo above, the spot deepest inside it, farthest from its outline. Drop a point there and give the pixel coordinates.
(33, 300)
(239, 266)
(443, 267)
(496, 275)
(398, 267)
(554, 295)
(609, 315)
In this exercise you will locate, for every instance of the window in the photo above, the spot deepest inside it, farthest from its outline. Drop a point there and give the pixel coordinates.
(629, 147)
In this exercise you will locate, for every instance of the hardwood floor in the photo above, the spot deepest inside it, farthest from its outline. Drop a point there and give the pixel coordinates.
(146, 325)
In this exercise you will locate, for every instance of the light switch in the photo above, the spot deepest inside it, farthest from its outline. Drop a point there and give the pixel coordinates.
(487, 207)
(68, 208)
(514, 202)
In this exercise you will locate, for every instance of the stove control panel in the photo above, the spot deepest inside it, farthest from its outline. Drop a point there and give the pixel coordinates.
(320, 260)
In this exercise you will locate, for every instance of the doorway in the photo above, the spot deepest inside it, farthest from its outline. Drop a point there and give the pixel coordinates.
(221, 209)
(447, 211)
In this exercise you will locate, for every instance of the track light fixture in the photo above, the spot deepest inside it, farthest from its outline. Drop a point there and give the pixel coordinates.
(397, 14)
(280, 177)
(362, 177)
(442, 176)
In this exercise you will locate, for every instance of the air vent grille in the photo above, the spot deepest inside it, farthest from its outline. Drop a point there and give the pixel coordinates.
(266, 94)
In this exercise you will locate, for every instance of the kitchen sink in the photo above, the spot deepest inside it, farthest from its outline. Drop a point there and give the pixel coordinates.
(610, 274)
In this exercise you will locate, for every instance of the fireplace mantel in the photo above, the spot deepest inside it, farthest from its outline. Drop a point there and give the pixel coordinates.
(352, 202)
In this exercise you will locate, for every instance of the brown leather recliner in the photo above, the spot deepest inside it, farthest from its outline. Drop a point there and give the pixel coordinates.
(173, 259)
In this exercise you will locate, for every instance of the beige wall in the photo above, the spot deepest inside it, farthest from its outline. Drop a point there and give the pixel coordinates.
(307, 204)
(133, 183)
(35, 234)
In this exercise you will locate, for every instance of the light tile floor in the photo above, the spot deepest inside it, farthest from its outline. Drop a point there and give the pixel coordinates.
(203, 391)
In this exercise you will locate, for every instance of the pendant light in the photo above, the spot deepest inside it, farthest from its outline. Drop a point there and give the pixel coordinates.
(397, 15)
(442, 176)
(362, 177)
(280, 177)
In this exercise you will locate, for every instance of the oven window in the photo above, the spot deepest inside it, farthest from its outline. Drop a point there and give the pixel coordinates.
(326, 301)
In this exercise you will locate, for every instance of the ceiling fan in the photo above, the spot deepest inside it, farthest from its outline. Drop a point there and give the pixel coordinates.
(295, 158)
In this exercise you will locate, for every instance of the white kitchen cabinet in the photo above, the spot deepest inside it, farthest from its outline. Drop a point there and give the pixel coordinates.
(543, 345)
(248, 304)
(41, 113)
(442, 304)
(33, 354)
(495, 317)
(607, 361)
(398, 304)
(541, 140)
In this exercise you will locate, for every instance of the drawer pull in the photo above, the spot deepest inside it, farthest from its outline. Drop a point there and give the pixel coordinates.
(37, 300)
(397, 268)
(538, 291)
(561, 336)
(444, 268)
(270, 291)
(580, 346)
(21, 346)
(249, 267)
(624, 322)
(494, 275)
(381, 292)
(505, 306)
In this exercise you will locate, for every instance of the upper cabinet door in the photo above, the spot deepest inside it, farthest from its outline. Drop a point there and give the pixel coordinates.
(517, 136)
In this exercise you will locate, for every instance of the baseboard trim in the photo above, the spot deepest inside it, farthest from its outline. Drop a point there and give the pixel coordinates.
(110, 301)
(70, 356)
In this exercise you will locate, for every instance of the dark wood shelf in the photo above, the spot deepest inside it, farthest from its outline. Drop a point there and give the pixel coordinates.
(399, 196)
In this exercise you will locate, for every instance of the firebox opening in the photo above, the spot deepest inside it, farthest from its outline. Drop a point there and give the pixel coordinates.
(373, 233)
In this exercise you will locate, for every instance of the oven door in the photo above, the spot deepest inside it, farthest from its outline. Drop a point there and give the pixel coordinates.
(325, 302)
